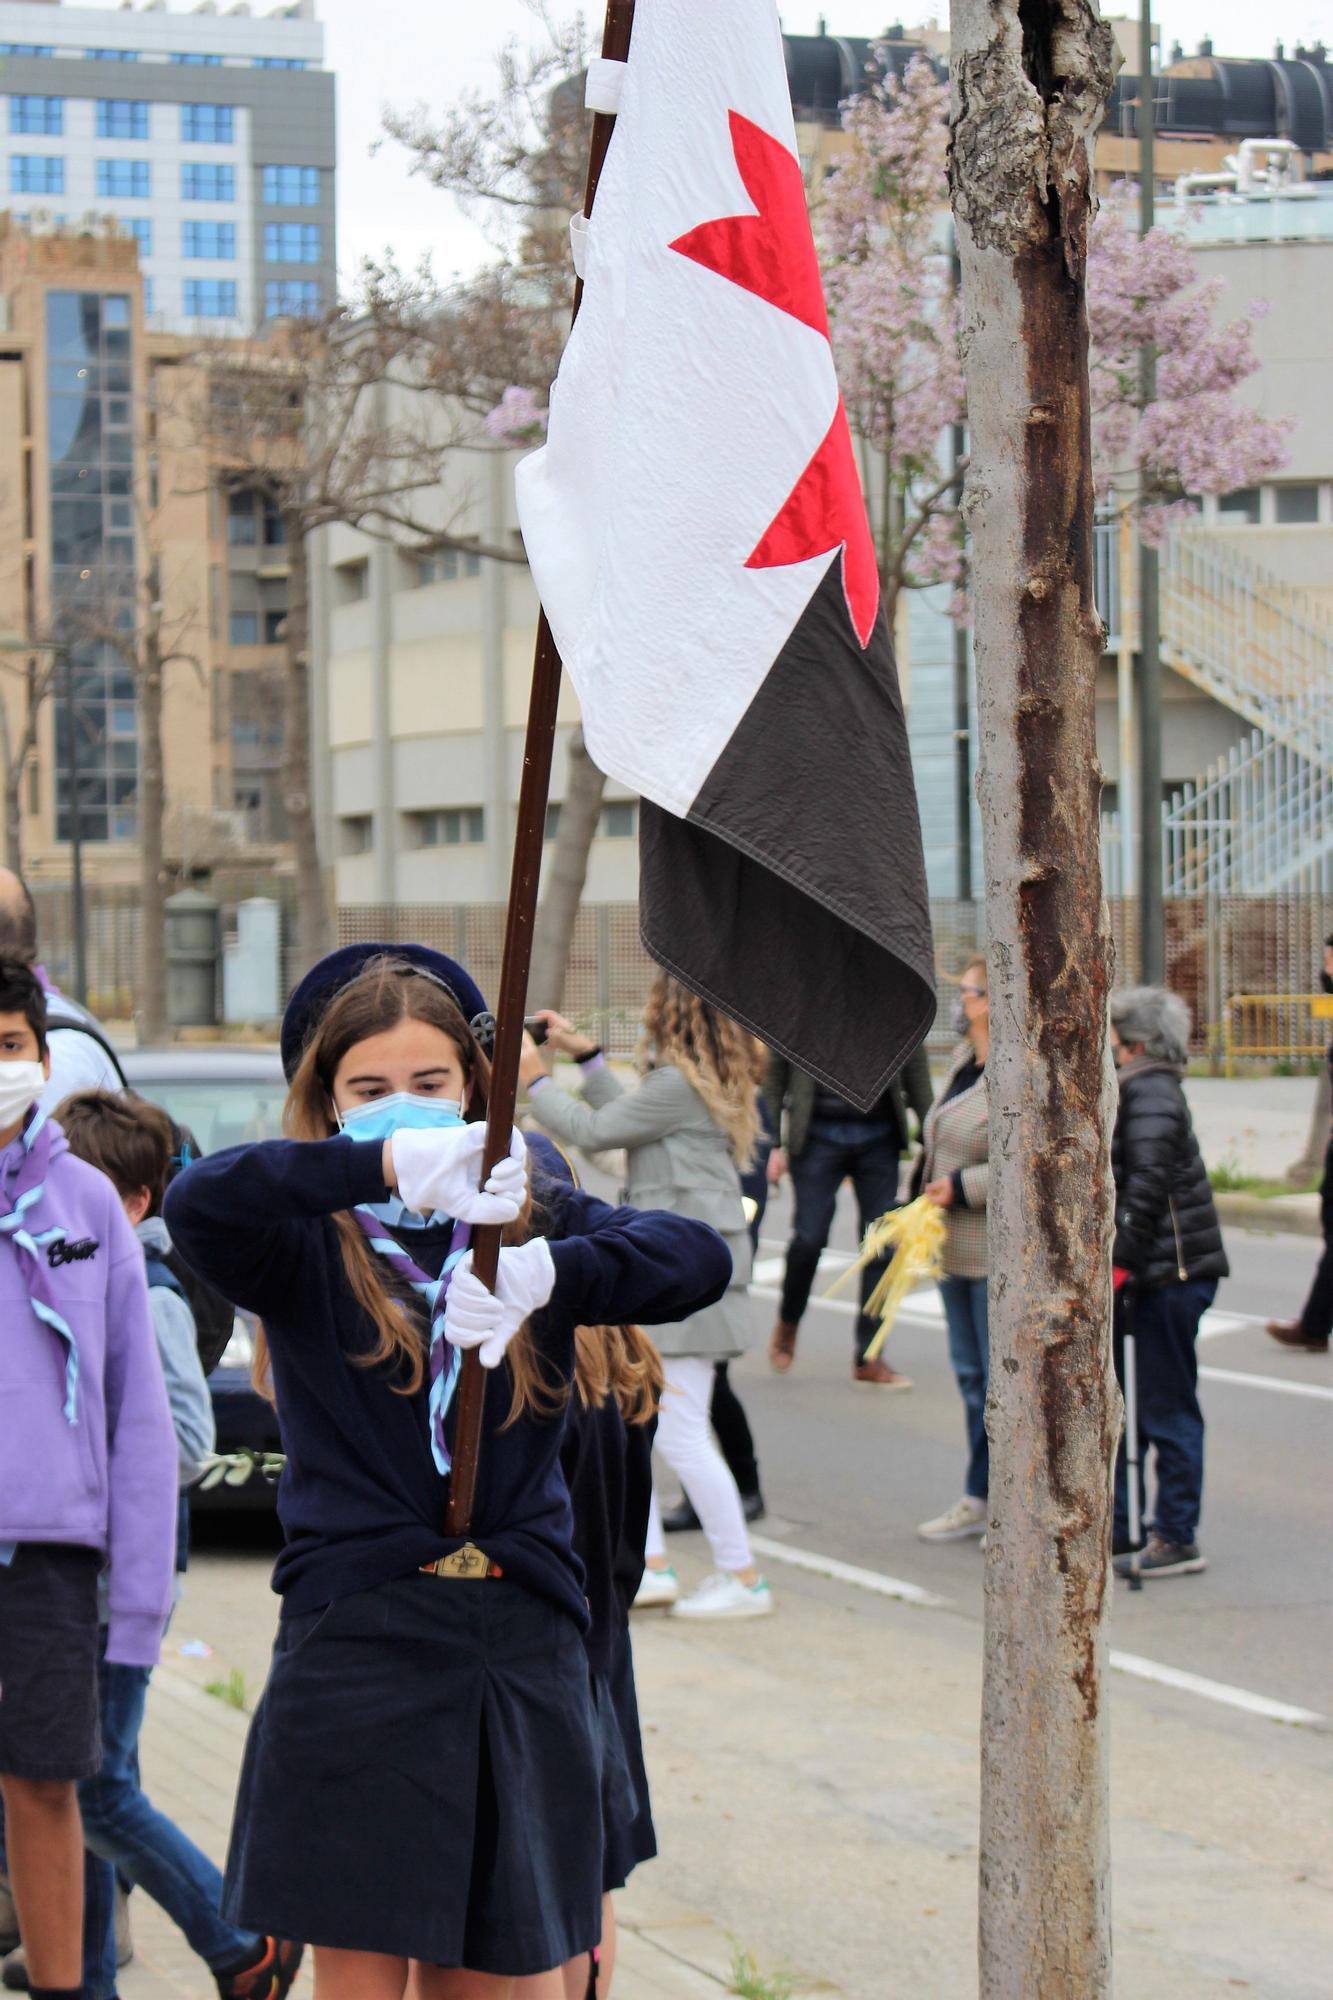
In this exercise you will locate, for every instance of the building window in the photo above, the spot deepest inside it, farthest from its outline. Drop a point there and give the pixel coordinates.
(620, 822)
(292, 298)
(551, 831)
(148, 295)
(210, 298)
(356, 834)
(192, 61)
(279, 62)
(291, 187)
(275, 528)
(125, 180)
(1240, 506)
(36, 173)
(292, 242)
(455, 826)
(121, 118)
(243, 628)
(351, 581)
(141, 229)
(44, 115)
(203, 181)
(207, 124)
(1296, 506)
(215, 240)
(26, 49)
(443, 566)
(242, 520)
(107, 55)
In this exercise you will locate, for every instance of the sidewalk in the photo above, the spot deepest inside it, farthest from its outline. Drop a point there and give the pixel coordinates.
(815, 1790)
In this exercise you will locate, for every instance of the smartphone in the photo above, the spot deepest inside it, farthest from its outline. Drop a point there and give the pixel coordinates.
(536, 1027)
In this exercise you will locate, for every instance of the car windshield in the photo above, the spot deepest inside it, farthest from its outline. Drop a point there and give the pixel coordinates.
(220, 1112)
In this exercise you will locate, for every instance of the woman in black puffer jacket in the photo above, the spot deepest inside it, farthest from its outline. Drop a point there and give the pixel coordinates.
(1167, 1260)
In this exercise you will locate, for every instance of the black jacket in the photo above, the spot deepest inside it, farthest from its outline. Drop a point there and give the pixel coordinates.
(789, 1097)
(1166, 1226)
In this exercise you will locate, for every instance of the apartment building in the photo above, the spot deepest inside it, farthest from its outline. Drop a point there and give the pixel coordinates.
(209, 135)
(99, 493)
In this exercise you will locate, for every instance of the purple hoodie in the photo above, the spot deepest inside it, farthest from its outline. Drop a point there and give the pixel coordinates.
(108, 1480)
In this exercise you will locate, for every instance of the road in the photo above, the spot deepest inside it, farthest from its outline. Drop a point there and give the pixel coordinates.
(848, 1472)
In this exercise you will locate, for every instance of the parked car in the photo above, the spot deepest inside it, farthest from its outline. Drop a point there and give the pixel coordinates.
(226, 1097)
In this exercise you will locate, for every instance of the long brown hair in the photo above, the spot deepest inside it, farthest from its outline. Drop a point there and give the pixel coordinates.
(710, 1050)
(619, 1362)
(386, 992)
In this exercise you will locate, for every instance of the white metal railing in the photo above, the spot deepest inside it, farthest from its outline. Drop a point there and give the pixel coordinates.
(1257, 645)
(1259, 820)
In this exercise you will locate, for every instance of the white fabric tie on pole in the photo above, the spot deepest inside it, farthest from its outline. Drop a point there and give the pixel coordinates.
(578, 244)
(606, 82)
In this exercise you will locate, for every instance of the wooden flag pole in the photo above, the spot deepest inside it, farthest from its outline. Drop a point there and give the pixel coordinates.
(529, 835)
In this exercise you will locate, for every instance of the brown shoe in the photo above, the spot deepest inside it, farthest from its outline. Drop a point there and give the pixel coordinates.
(879, 1375)
(1290, 1333)
(782, 1346)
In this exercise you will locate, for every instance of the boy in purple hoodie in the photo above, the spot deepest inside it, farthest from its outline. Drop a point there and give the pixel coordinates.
(88, 1470)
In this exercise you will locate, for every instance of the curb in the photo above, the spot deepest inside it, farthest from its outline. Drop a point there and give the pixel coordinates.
(1295, 1214)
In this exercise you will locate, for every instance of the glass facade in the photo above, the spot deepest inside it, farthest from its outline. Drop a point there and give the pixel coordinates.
(91, 444)
(121, 118)
(208, 124)
(202, 181)
(291, 187)
(292, 243)
(44, 115)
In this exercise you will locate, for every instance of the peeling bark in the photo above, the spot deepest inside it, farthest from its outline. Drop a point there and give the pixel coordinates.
(1030, 78)
(314, 924)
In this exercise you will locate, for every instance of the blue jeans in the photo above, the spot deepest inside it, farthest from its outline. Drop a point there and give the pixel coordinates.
(969, 1351)
(835, 1150)
(124, 1835)
(1166, 1327)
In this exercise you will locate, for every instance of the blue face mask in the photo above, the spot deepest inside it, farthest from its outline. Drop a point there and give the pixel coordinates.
(383, 1116)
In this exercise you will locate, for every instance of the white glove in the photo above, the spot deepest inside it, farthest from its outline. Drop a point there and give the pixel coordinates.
(439, 1171)
(488, 1321)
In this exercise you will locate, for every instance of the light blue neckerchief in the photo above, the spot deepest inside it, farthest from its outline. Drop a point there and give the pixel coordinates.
(15, 1227)
(445, 1362)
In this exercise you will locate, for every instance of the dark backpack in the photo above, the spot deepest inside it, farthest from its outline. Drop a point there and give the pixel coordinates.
(214, 1316)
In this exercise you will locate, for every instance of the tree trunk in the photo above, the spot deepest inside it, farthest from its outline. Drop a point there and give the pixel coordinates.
(314, 927)
(1030, 78)
(152, 1009)
(554, 931)
(14, 817)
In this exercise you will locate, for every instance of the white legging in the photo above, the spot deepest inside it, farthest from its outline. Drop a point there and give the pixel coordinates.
(686, 1443)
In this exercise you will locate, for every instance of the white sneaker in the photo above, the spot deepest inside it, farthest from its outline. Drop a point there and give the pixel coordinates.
(660, 1587)
(965, 1518)
(725, 1596)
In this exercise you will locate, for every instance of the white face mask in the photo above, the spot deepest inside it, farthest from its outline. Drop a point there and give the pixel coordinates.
(21, 1084)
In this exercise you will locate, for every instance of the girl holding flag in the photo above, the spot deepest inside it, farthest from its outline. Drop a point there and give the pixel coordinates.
(421, 1778)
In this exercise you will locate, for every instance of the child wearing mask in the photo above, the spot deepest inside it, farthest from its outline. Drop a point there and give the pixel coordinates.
(88, 1471)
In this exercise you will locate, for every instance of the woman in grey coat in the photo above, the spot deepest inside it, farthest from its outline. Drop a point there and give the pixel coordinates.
(687, 1129)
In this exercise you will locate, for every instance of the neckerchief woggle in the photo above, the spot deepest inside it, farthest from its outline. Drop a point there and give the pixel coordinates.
(374, 1218)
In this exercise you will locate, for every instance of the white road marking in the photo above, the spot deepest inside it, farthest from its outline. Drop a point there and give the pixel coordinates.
(1242, 1378)
(1131, 1664)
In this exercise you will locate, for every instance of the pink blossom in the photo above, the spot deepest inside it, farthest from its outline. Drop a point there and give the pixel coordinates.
(517, 418)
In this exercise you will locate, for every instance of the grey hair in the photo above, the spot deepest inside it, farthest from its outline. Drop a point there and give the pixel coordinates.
(1154, 1017)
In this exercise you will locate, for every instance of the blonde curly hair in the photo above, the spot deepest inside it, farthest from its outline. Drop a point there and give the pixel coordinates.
(689, 1034)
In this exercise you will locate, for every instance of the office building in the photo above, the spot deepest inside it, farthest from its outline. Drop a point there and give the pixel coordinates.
(208, 135)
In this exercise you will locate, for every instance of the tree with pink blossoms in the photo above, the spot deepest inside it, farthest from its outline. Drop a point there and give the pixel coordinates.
(880, 220)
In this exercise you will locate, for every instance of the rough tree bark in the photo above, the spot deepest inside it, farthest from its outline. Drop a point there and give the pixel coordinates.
(314, 926)
(554, 931)
(152, 1008)
(1030, 78)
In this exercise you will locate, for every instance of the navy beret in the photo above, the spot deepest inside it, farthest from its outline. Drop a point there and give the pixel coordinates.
(340, 968)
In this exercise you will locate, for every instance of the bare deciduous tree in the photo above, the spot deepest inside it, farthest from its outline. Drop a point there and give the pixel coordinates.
(567, 873)
(37, 673)
(1029, 86)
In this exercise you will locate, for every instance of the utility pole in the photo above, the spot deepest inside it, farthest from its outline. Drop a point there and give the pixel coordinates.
(77, 914)
(1152, 939)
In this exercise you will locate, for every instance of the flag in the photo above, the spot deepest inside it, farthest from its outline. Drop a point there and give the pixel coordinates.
(696, 529)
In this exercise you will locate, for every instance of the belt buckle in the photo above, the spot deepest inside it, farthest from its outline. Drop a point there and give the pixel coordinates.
(468, 1563)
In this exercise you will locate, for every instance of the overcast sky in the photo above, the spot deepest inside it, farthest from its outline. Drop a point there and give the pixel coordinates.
(402, 52)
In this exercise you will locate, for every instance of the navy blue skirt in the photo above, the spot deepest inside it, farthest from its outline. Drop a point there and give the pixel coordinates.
(629, 1836)
(421, 1779)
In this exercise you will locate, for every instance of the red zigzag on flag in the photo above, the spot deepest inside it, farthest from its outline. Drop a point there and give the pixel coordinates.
(772, 255)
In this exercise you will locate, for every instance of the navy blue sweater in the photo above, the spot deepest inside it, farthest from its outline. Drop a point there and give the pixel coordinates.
(608, 1469)
(361, 1500)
